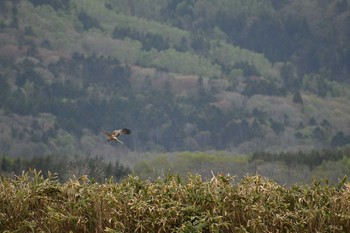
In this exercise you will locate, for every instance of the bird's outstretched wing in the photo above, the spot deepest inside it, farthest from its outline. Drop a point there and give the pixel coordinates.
(118, 132)
(109, 135)
(115, 134)
(106, 133)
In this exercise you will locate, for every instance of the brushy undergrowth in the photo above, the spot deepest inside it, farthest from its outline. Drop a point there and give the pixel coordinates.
(32, 203)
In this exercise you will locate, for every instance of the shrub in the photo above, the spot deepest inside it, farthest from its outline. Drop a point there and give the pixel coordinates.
(31, 203)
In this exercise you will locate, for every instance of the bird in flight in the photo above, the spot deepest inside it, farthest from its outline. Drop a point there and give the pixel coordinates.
(114, 136)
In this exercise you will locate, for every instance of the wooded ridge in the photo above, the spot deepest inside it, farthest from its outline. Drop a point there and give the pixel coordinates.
(242, 76)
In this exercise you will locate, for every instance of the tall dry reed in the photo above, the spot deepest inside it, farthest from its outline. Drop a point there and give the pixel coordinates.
(31, 203)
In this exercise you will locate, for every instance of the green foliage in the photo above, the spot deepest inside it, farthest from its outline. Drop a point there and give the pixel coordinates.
(148, 40)
(229, 55)
(65, 167)
(45, 22)
(232, 69)
(88, 21)
(110, 19)
(286, 168)
(195, 162)
(312, 159)
(56, 4)
(340, 139)
(34, 203)
(185, 63)
(297, 98)
(4, 90)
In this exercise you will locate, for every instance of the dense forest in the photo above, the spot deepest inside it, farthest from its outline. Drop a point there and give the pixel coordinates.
(230, 75)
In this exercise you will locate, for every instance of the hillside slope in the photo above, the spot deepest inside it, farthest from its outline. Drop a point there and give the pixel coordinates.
(182, 76)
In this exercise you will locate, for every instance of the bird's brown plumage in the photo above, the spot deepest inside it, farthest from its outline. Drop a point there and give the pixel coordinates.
(114, 136)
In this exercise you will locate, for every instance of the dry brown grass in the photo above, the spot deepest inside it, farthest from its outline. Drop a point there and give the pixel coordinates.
(30, 203)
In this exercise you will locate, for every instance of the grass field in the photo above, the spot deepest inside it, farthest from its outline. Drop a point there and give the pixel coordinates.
(32, 203)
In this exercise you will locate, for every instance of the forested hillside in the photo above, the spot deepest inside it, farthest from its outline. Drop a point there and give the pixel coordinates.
(231, 75)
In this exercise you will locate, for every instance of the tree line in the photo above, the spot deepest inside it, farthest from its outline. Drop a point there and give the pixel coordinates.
(64, 167)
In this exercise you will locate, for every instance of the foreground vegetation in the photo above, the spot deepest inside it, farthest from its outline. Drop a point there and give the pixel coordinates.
(31, 203)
